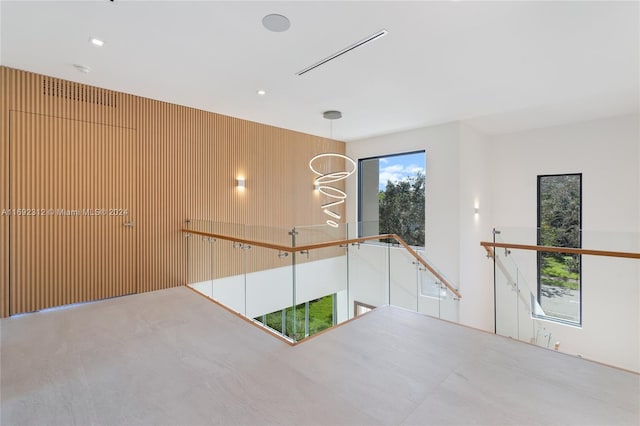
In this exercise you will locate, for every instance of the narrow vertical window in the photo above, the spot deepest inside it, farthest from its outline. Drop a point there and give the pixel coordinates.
(560, 225)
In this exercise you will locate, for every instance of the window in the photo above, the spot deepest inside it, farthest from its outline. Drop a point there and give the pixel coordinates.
(560, 225)
(392, 196)
(311, 317)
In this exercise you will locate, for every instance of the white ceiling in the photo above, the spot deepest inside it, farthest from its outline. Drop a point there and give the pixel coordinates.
(503, 65)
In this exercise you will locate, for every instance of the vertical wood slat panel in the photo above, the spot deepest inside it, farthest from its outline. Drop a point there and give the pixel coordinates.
(61, 145)
(4, 192)
(61, 253)
(187, 162)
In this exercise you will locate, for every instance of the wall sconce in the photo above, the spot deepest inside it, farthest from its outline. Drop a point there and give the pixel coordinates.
(476, 210)
(240, 183)
(316, 186)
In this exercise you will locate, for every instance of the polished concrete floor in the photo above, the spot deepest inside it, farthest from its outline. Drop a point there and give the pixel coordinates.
(174, 358)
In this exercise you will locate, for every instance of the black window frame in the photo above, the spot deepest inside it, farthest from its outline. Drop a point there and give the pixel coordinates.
(378, 157)
(539, 254)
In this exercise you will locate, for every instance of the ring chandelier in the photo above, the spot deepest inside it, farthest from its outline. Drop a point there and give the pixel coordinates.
(337, 196)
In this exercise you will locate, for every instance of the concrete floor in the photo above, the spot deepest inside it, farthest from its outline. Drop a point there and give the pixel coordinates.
(173, 358)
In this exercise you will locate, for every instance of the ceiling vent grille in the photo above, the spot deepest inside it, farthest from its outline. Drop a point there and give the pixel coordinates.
(77, 92)
(347, 49)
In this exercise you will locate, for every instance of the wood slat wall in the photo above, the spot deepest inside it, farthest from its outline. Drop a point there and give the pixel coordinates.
(73, 185)
(4, 192)
(186, 163)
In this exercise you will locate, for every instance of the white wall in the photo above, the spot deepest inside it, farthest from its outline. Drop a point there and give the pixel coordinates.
(606, 153)
(442, 146)
(476, 271)
(500, 173)
(456, 179)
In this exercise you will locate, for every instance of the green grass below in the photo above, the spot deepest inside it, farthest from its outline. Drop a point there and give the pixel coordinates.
(556, 272)
(320, 318)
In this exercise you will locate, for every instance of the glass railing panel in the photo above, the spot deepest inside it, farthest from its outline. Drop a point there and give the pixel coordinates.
(364, 229)
(263, 258)
(584, 305)
(215, 269)
(321, 287)
(449, 305)
(269, 281)
(517, 235)
(435, 299)
(555, 280)
(558, 292)
(295, 320)
(220, 228)
(318, 234)
(302, 291)
(431, 293)
(368, 229)
(269, 277)
(403, 274)
(527, 305)
(411, 233)
(506, 288)
(315, 234)
(521, 269)
(268, 234)
(228, 286)
(200, 262)
(368, 276)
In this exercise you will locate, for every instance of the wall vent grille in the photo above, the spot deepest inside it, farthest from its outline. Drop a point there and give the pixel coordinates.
(77, 92)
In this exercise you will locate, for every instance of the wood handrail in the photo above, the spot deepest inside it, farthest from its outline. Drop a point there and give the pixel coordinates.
(490, 251)
(628, 255)
(333, 243)
(426, 265)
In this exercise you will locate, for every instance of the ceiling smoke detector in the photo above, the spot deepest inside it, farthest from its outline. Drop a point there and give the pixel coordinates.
(276, 23)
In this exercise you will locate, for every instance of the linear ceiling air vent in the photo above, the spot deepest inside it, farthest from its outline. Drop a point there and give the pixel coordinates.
(77, 92)
(360, 43)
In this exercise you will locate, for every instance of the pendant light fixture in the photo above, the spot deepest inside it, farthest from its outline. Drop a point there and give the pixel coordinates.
(335, 196)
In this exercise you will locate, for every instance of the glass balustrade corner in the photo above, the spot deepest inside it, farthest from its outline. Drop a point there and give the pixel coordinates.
(300, 281)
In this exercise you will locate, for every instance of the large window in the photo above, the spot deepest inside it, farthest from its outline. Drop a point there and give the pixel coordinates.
(310, 318)
(560, 225)
(392, 196)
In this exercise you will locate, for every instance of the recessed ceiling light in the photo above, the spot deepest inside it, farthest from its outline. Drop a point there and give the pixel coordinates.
(96, 42)
(261, 92)
(276, 23)
(82, 68)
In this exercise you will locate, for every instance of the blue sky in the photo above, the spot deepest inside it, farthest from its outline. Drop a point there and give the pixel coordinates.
(399, 167)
